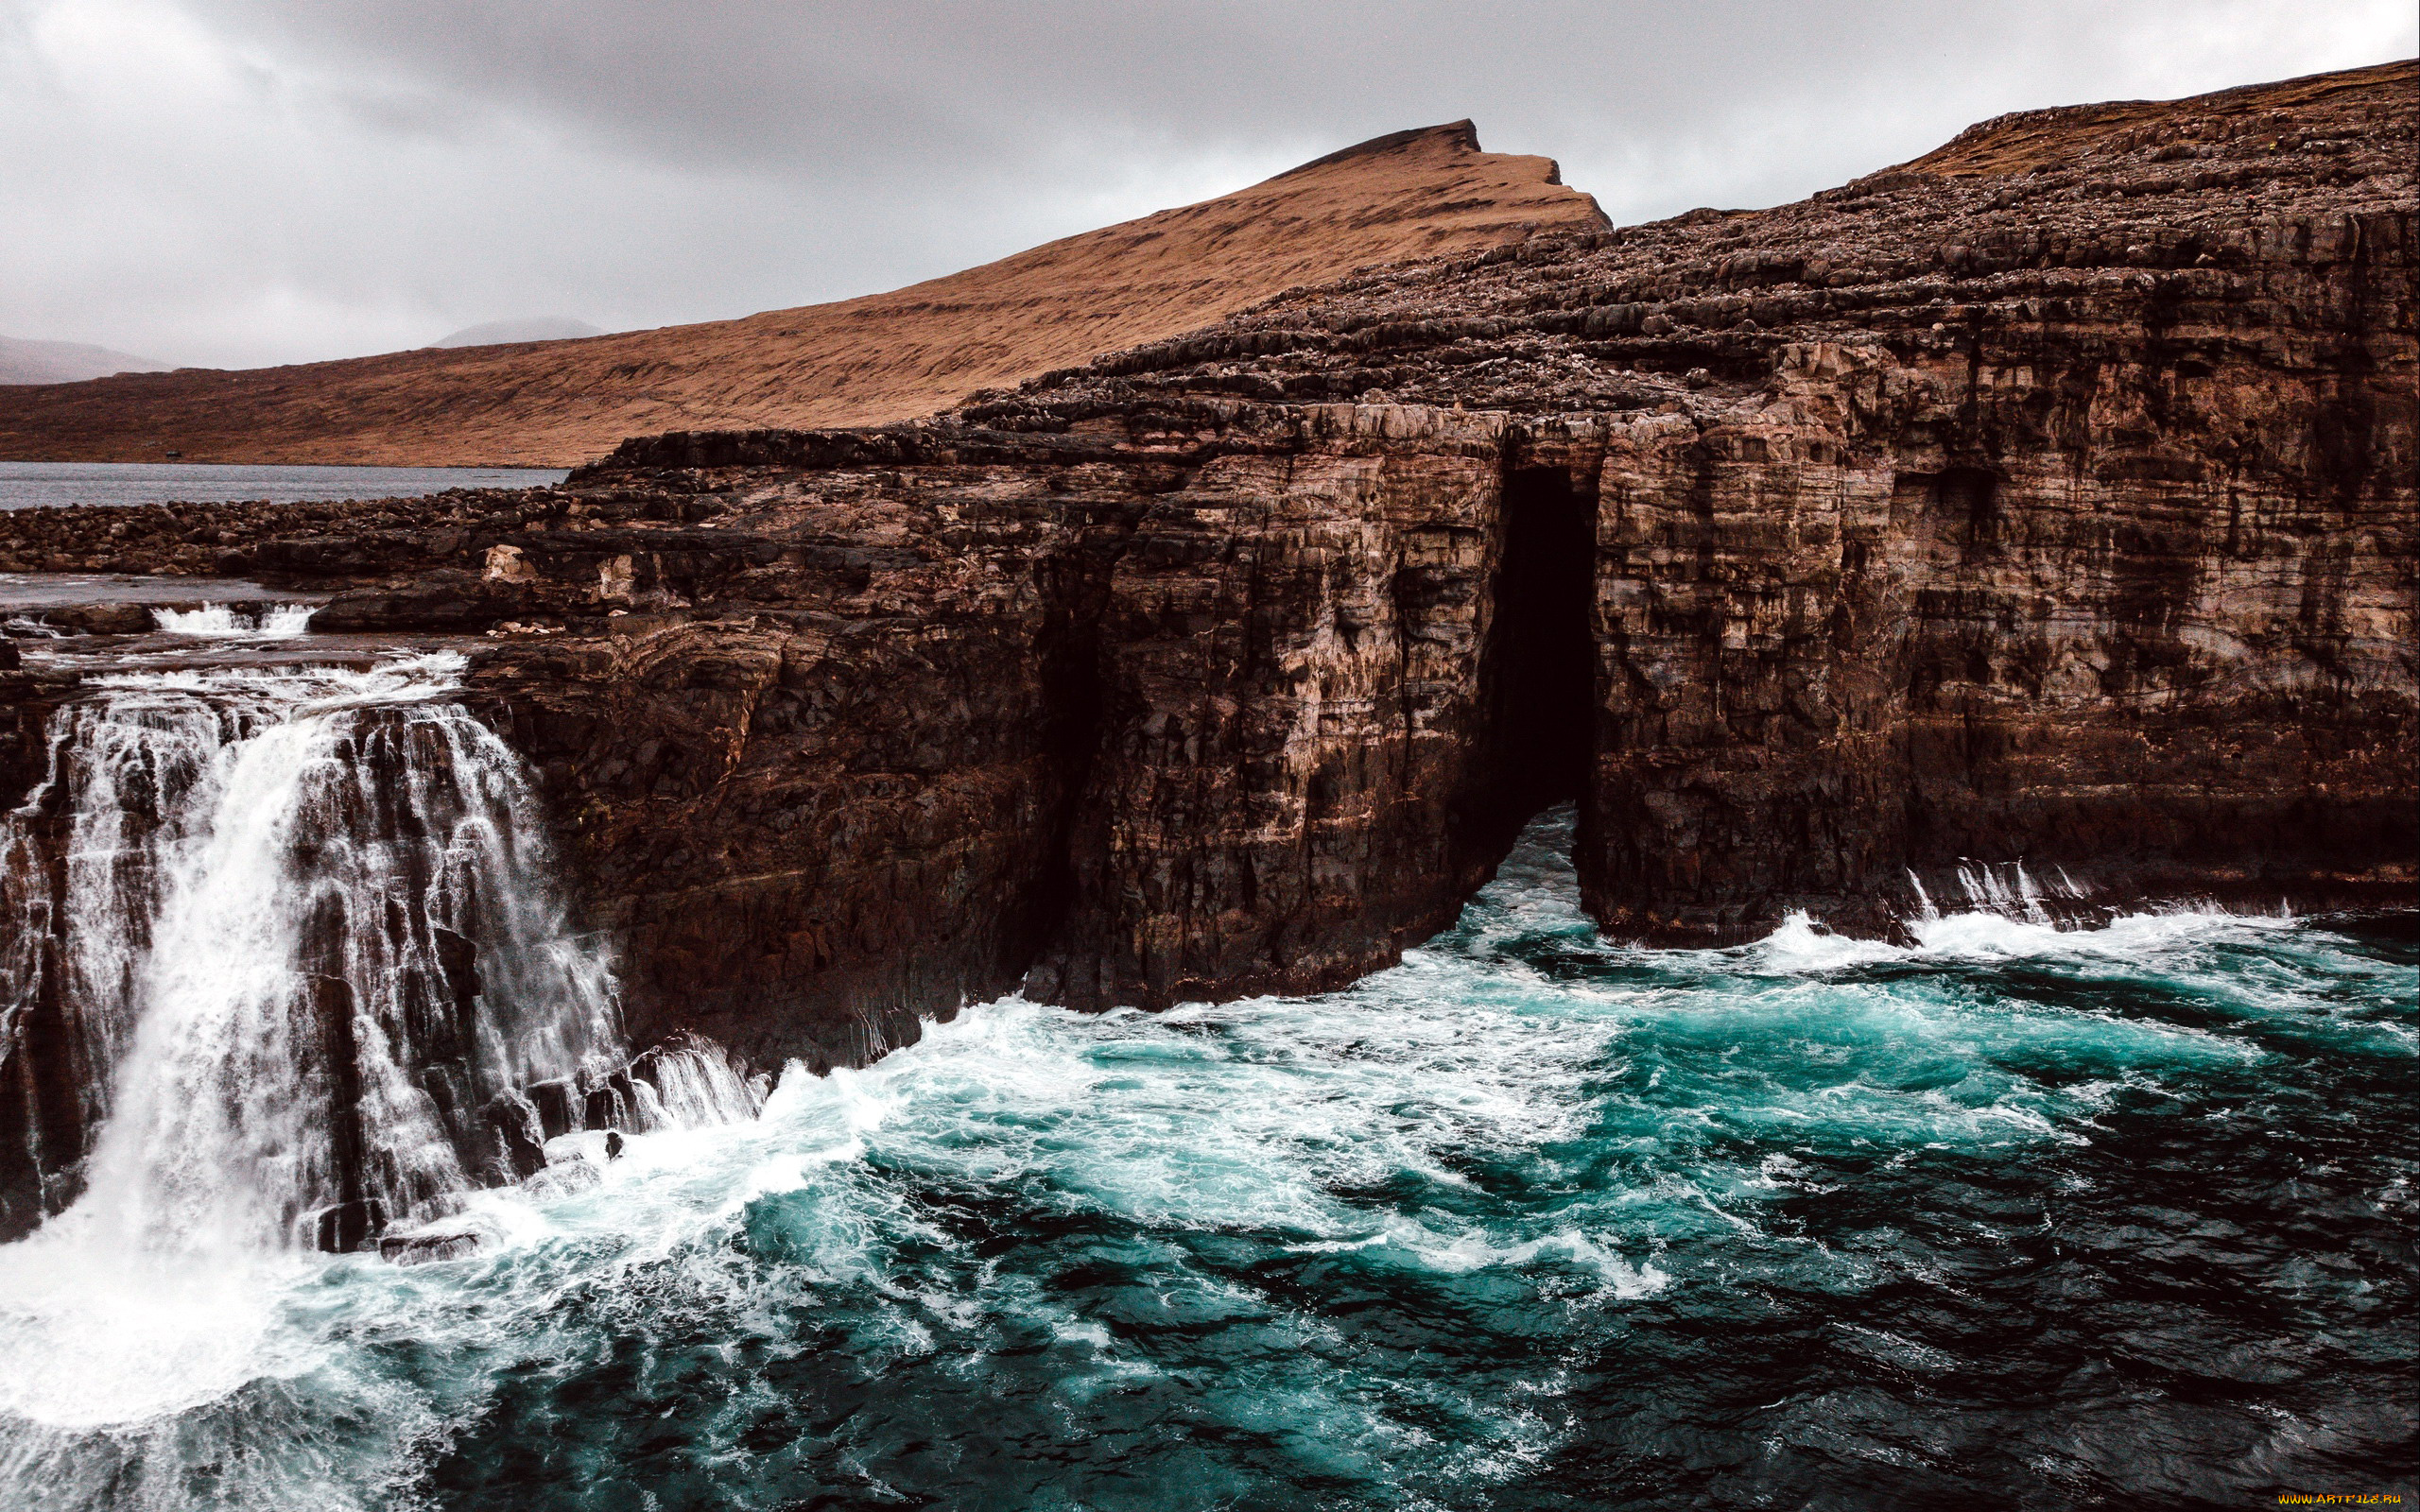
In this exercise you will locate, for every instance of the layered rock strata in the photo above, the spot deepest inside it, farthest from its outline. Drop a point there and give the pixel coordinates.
(2046, 502)
(1188, 704)
(2049, 498)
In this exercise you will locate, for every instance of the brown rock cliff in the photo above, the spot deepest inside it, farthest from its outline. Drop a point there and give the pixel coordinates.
(2050, 504)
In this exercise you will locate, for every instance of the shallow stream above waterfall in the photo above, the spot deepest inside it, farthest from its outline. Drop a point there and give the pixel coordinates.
(2013, 1217)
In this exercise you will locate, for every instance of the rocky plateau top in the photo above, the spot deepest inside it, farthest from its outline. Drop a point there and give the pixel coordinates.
(2031, 525)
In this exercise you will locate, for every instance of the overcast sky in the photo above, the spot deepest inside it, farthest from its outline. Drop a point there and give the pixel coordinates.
(233, 183)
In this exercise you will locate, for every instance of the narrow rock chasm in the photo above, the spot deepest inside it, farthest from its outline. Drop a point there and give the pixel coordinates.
(1540, 676)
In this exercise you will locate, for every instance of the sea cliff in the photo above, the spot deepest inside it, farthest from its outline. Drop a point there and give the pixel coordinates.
(2034, 521)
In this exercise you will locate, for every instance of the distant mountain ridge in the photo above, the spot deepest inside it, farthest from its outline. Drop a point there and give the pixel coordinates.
(528, 328)
(863, 361)
(23, 361)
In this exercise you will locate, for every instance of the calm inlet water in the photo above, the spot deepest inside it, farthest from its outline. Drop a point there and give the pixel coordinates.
(2013, 1217)
(27, 485)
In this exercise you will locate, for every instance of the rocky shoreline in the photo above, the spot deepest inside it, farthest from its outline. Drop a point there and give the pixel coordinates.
(2047, 503)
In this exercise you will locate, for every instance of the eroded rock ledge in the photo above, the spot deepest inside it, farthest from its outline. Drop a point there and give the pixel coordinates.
(2052, 508)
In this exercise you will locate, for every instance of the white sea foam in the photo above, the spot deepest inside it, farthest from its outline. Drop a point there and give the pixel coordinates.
(1475, 1122)
(1467, 1251)
(1799, 944)
(1802, 943)
(222, 622)
(2126, 938)
(95, 1337)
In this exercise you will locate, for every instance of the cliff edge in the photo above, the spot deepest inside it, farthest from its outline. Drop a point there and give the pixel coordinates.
(2028, 534)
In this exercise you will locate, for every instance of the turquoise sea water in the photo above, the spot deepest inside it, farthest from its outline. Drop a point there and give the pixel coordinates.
(2013, 1217)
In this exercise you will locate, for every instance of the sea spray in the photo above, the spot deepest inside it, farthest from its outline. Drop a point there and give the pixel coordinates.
(1527, 1222)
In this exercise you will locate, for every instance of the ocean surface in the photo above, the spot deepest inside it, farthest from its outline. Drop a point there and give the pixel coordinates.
(29, 484)
(2012, 1217)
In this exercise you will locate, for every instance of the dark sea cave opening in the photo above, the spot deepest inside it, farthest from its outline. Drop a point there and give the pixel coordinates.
(1539, 673)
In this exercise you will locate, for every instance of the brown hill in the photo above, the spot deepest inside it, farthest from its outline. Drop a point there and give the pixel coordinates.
(882, 357)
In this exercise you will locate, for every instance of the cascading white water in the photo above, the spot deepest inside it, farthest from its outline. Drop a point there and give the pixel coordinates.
(2009, 890)
(288, 940)
(695, 1085)
(223, 622)
(302, 934)
(80, 879)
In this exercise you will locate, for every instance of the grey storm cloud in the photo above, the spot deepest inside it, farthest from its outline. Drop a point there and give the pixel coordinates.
(243, 182)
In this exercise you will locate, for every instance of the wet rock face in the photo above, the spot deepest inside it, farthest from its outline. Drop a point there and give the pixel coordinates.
(2048, 499)
(1149, 715)
(2049, 502)
(2151, 635)
(1289, 777)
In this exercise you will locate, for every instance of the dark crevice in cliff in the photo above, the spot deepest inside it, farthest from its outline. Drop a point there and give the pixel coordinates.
(1072, 683)
(1075, 697)
(1539, 673)
(1970, 498)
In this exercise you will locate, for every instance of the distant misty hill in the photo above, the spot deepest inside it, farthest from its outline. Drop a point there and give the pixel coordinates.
(66, 362)
(529, 328)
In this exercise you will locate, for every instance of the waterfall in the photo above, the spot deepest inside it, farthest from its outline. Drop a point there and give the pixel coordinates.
(224, 622)
(286, 946)
(284, 967)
